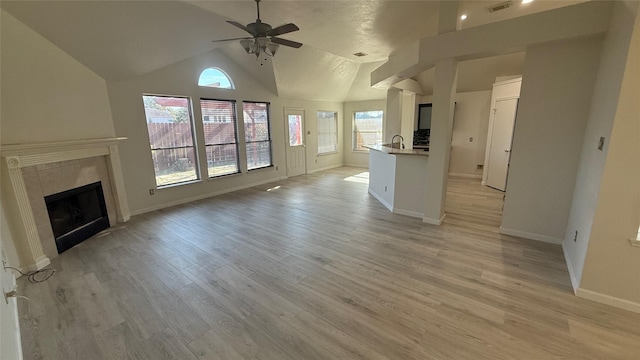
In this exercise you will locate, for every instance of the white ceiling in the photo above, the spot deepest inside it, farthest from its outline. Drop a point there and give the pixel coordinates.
(123, 39)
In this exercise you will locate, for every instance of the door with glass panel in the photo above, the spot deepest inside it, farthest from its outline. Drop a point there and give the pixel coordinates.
(295, 135)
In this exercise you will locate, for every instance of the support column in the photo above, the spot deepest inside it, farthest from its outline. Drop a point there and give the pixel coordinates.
(444, 91)
(393, 115)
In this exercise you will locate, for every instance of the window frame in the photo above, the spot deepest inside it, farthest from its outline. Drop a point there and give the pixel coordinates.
(194, 143)
(231, 83)
(336, 143)
(269, 139)
(235, 129)
(354, 131)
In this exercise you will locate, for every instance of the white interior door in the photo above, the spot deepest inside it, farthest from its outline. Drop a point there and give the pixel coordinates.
(501, 138)
(296, 150)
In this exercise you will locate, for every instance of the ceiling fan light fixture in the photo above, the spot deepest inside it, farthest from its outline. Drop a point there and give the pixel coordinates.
(246, 45)
(273, 48)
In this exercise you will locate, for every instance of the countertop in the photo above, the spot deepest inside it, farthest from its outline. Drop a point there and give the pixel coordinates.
(395, 151)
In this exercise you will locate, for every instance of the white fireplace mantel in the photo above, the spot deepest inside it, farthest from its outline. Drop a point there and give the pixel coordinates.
(17, 156)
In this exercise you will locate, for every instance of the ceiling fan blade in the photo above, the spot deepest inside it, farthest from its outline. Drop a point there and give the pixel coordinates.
(286, 42)
(240, 38)
(284, 29)
(238, 25)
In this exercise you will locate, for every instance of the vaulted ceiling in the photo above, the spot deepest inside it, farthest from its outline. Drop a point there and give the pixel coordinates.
(123, 39)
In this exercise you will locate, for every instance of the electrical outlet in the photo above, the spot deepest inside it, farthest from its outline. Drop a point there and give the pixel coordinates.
(575, 237)
(316, 161)
(470, 138)
(601, 143)
(276, 168)
(152, 191)
(385, 188)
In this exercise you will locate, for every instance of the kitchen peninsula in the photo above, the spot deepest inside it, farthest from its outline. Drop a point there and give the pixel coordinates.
(398, 178)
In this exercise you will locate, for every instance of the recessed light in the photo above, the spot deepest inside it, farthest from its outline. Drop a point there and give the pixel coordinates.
(360, 54)
(526, 1)
(464, 16)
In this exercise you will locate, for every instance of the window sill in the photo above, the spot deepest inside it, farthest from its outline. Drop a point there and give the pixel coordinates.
(224, 176)
(360, 151)
(329, 153)
(261, 168)
(178, 184)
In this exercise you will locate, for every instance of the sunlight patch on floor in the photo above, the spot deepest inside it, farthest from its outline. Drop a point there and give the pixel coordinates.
(362, 178)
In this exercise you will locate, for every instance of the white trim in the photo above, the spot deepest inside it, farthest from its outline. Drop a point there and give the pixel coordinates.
(204, 196)
(532, 236)
(510, 81)
(357, 166)
(634, 242)
(574, 280)
(434, 221)
(467, 176)
(408, 213)
(608, 300)
(382, 201)
(325, 168)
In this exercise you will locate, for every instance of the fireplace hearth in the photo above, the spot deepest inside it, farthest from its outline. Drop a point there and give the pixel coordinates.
(77, 214)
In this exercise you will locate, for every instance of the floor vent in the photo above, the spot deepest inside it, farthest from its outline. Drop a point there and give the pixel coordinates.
(500, 6)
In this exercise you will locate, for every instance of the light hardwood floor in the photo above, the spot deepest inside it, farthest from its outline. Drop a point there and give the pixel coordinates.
(318, 269)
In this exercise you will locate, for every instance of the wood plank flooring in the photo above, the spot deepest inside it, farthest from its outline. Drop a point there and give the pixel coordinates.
(317, 269)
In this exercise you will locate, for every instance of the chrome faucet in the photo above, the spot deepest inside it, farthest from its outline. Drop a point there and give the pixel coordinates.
(401, 141)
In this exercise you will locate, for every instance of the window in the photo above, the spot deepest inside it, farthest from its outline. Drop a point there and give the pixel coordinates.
(170, 126)
(220, 136)
(257, 134)
(216, 78)
(327, 132)
(367, 129)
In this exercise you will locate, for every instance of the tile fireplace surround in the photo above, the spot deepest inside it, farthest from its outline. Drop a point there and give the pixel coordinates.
(47, 164)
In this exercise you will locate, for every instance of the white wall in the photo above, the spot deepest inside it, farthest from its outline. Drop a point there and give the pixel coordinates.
(605, 208)
(46, 94)
(470, 120)
(358, 158)
(10, 346)
(552, 114)
(181, 79)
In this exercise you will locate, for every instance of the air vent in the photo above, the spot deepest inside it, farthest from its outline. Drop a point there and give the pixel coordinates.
(500, 6)
(360, 54)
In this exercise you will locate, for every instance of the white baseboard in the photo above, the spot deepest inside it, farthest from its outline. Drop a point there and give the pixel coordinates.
(325, 168)
(567, 259)
(357, 166)
(468, 176)
(608, 300)
(532, 236)
(382, 201)
(204, 196)
(408, 213)
(434, 221)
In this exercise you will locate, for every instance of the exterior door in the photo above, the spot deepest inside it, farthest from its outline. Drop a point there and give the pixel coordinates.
(501, 137)
(296, 150)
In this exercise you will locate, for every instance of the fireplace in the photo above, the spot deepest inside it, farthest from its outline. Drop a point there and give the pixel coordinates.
(77, 214)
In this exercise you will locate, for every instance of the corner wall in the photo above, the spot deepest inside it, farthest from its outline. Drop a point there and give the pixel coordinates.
(557, 84)
(611, 271)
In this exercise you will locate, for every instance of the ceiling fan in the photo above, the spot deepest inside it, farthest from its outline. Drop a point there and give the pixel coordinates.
(263, 39)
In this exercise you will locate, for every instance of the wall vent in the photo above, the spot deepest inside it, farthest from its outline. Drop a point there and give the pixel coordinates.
(500, 6)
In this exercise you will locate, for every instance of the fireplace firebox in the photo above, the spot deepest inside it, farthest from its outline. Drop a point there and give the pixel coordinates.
(77, 214)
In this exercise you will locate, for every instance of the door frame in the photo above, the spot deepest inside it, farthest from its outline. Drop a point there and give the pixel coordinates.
(286, 112)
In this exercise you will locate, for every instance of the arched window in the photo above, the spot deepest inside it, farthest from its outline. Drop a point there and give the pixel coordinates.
(216, 78)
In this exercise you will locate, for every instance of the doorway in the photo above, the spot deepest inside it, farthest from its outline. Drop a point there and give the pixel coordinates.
(296, 148)
(504, 116)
